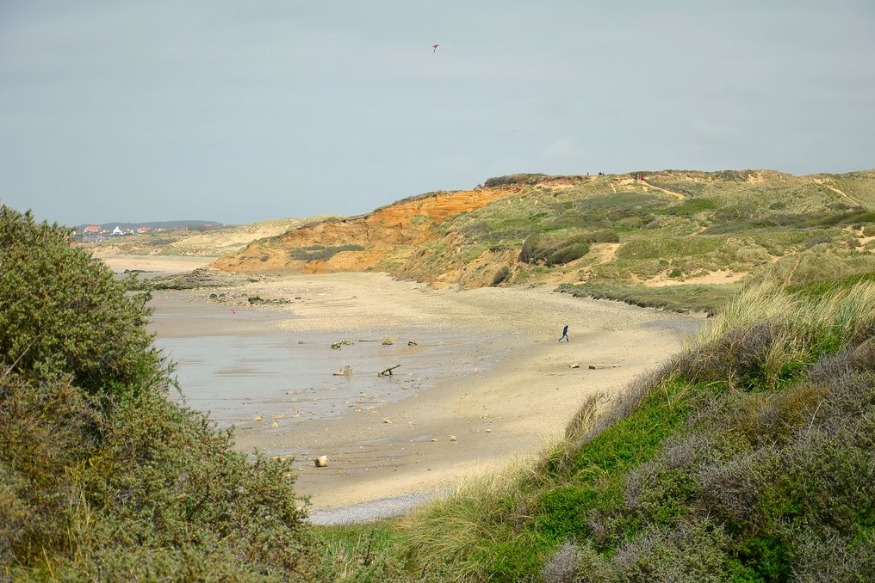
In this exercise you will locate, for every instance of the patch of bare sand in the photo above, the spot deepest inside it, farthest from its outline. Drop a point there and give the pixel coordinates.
(712, 278)
(153, 265)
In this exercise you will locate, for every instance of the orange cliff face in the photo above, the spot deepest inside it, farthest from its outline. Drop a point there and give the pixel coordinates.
(384, 237)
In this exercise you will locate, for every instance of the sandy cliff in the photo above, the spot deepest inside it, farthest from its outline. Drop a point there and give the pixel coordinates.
(381, 240)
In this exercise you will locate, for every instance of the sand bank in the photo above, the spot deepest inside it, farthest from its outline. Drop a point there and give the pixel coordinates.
(153, 265)
(473, 423)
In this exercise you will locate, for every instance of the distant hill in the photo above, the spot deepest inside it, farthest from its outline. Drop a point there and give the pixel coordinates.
(154, 225)
(198, 241)
(644, 227)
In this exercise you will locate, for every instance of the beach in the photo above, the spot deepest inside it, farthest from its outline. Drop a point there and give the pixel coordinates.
(506, 394)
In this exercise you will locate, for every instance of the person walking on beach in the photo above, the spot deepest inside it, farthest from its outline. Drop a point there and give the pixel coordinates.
(565, 334)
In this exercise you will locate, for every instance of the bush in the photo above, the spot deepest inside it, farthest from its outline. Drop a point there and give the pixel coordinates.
(680, 298)
(691, 207)
(567, 253)
(550, 251)
(604, 236)
(513, 180)
(63, 315)
(101, 476)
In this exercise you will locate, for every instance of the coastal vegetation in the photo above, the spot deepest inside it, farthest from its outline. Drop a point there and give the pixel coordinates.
(102, 477)
(746, 457)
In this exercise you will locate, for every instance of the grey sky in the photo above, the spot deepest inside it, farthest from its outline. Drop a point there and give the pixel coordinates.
(239, 111)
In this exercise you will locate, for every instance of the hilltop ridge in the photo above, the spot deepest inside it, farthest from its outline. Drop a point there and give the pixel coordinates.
(647, 227)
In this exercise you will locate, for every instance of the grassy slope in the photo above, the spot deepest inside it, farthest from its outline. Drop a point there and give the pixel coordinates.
(674, 225)
(747, 458)
(602, 230)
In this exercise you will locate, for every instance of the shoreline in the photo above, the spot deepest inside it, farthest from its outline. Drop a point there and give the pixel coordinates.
(472, 423)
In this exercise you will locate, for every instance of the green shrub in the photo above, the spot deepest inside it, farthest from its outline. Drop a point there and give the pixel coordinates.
(513, 179)
(63, 315)
(553, 250)
(680, 298)
(101, 476)
(691, 207)
(603, 236)
(669, 247)
(367, 552)
(693, 552)
(567, 253)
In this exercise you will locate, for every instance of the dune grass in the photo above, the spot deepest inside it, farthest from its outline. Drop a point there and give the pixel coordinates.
(675, 223)
(745, 458)
(708, 299)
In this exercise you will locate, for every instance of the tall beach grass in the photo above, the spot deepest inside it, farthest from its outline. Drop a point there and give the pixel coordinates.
(741, 458)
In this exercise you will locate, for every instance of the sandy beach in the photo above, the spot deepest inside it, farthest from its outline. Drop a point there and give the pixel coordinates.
(475, 422)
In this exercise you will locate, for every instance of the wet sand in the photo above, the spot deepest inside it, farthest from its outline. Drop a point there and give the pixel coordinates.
(474, 422)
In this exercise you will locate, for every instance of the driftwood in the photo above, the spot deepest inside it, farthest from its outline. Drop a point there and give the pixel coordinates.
(388, 372)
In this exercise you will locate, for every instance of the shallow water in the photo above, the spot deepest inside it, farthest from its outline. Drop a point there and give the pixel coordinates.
(237, 366)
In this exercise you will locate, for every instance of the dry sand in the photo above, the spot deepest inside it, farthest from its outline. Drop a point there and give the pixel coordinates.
(152, 265)
(478, 422)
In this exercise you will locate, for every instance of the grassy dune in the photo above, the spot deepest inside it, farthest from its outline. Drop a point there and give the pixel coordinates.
(746, 458)
(672, 225)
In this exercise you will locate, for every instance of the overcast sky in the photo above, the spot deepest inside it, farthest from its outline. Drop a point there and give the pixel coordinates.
(246, 110)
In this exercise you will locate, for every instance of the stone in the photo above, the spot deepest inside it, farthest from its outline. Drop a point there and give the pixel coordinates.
(322, 461)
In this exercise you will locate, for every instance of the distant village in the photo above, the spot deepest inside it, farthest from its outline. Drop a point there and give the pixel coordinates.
(98, 233)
